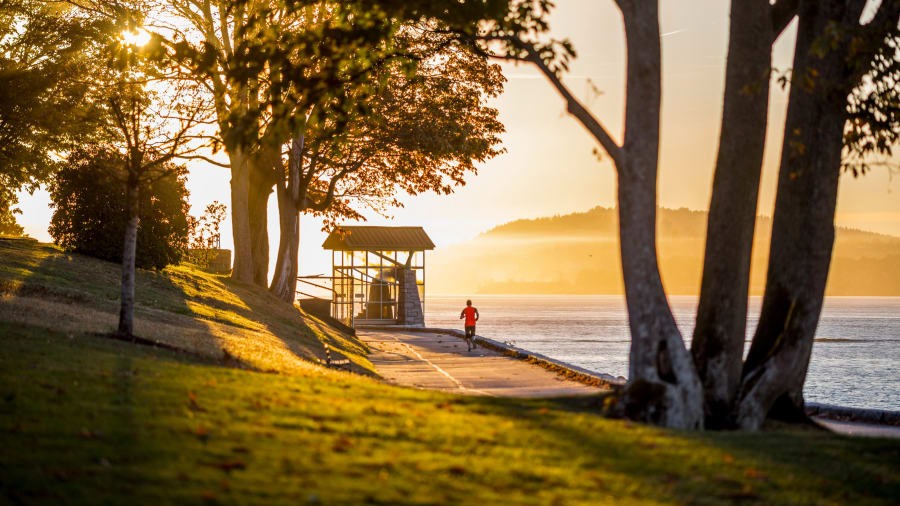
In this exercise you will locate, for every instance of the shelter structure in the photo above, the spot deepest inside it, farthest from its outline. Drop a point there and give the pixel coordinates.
(378, 275)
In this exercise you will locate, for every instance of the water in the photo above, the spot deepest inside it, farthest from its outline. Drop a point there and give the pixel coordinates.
(855, 360)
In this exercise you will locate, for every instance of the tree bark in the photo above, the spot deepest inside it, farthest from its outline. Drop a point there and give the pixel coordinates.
(129, 253)
(240, 216)
(284, 281)
(260, 188)
(803, 222)
(720, 330)
(663, 388)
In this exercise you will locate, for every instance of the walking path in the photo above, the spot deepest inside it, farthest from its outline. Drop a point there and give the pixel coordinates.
(437, 361)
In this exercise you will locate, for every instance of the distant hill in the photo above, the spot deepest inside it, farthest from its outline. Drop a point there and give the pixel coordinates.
(579, 254)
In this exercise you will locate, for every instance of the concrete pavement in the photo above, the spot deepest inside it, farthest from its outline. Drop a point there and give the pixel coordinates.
(437, 361)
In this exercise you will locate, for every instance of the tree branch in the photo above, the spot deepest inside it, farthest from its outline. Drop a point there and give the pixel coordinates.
(329, 196)
(574, 106)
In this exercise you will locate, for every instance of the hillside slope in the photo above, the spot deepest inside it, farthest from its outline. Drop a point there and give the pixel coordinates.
(180, 307)
(579, 254)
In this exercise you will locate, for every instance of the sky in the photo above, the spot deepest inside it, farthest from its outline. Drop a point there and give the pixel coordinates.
(549, 167)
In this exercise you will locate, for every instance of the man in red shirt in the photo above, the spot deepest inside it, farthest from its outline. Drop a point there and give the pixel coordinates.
(471, 316)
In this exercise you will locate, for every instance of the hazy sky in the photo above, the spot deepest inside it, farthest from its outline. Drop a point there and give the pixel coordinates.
(549, 167)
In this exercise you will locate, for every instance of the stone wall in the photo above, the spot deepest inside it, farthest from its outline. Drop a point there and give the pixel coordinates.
(409, 305)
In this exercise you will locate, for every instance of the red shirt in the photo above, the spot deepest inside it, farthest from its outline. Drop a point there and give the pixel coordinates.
(469, 312)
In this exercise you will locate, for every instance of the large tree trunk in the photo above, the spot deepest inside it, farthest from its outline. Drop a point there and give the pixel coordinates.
(240, 216)
(284, 281)
(718, 342)
(803, 223)
(129, 253)
(261, 182)
(663, 386)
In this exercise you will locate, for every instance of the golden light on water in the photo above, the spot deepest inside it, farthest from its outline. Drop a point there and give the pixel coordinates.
(139, 37)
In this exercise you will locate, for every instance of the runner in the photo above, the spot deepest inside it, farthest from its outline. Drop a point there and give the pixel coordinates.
(471, 316)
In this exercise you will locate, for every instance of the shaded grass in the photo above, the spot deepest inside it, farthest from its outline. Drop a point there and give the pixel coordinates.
(85, 420)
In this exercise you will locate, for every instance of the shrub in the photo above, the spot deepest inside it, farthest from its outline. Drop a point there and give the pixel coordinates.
(88, 195)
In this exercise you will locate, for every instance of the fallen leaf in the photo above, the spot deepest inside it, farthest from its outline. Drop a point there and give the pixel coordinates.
(755, 474)
(342, 445)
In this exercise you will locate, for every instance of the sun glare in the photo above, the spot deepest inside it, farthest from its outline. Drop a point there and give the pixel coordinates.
(139, 37)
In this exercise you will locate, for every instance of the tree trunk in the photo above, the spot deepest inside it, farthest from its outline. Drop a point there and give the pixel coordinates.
(258, 204)
(240, 216)
(803, 222)
(719, 334)
(284, 281)
(663, 386)
(129, 253)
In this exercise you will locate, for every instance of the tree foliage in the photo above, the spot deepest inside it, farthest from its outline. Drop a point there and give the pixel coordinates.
(88, 197)
(873, 123)
(424, 125)
(46, 61)
(45, 57)
(423, 129)
(8, 225)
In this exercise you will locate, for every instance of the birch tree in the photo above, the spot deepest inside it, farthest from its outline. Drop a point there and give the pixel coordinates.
(149, 117)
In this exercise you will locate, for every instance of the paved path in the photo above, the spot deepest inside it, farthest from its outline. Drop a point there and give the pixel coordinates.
(437, 361)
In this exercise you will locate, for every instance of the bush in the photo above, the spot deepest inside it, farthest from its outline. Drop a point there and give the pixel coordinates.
(88, 195)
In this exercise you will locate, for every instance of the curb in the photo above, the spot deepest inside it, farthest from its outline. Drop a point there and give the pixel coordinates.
(846, 414)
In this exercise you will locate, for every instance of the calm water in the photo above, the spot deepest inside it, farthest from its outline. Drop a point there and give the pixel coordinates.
(855, 360)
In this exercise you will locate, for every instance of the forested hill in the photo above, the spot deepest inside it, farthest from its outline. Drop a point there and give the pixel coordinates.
(578, 254)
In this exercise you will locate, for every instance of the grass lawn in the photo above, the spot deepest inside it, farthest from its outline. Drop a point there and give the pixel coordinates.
(88, 420)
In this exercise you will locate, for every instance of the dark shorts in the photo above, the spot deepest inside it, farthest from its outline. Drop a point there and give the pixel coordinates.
(470, 332)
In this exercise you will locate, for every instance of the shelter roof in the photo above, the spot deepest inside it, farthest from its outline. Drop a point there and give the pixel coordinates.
(364, 238)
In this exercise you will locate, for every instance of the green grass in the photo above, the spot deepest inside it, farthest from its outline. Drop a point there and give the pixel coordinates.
(179, 306)
(88, 420)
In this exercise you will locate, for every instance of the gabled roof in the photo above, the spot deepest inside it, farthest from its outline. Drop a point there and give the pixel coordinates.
(357, 238)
